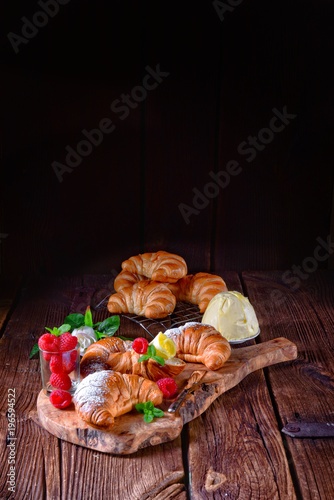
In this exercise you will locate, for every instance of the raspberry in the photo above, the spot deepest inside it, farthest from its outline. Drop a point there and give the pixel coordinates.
(167, 386)
(140, 345)
(60, 381)
(69, 361)
(67, 342)
(56, 365)
(48, 342)
(60, 399)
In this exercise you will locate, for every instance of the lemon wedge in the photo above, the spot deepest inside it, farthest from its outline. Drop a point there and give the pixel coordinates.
(164, 346)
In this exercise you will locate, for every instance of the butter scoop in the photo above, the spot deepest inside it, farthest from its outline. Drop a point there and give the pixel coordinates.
(232, 315)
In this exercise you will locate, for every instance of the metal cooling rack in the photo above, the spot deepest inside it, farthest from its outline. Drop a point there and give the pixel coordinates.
(183, 313)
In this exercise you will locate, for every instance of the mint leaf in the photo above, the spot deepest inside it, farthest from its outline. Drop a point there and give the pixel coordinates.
(149, 411)
(75, 320)
(34, 350)
(158, 413)
(54, 331)
(140, 407)
(159, 360)
(151, 351)
(149, 405)
(143, 358)
(88, 317)
(64, 328)
(98, 335)
(148, 418)
(109, 326)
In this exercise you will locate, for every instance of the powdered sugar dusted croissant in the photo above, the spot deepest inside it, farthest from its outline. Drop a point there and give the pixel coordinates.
(125, 279)
(198, 343)
(113, 353)
(198, 289)
(146, 298)
(104, 395)
(158, 266)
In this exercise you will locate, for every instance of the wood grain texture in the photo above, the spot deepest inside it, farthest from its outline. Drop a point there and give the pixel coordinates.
(130, 433)
(73, 93)
(304, 388)
(9, 289)
(45, 466)
(264, 218)
(180, 136)
(238, 441)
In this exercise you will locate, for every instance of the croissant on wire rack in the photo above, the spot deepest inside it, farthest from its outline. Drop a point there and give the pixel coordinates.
(125, 279)
(158, 266)
(146, 298)
(198, 289)
(113, 353)
(104, 395)
(198, 343)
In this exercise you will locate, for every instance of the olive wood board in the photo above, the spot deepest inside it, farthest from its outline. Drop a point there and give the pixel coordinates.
(130, 433)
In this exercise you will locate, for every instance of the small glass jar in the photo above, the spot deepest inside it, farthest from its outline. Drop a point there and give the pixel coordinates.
(66, 364)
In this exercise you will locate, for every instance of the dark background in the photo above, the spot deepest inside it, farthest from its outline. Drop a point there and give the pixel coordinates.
(225, 78)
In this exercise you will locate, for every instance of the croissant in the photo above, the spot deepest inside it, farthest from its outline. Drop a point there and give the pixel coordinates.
(125, 278)
(146, 298)
(102, 396)
(198, 343)
(112, 353)
(158, 266)
(198, 289)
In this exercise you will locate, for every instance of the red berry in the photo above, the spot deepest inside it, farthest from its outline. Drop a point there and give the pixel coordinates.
(140, 345)
(69, 361)
(60, 381)
(49, 343)
(60, 399)
(167, 386)
(56, 365)
(67, 342)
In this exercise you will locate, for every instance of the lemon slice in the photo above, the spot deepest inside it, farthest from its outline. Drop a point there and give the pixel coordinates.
(164, 346)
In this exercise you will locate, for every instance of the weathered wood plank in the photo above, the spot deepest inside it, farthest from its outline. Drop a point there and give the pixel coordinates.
(9, 289)
(239, 444)
(265, 218)
(180, 134)
(47, 302)
(302, 389)
(141, 475)
(38, 458)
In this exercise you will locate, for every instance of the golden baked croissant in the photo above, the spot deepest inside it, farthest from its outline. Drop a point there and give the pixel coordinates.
(102, 396)
(126, 278)
(198, 343)
(112, 353)
(146, 298)
(198, 289)
(158, 266)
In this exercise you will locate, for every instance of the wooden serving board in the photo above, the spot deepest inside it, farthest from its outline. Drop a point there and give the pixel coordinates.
(130, 433)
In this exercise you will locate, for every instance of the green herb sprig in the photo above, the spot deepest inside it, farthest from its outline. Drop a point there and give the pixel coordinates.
(102, 329)
(152, 353)
(149, 411)
(58, 331)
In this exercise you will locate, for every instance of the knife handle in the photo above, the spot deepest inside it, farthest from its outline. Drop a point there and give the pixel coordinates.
(178, 401)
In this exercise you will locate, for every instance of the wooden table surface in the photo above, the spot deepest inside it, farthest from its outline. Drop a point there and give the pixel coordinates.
(235, 450)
